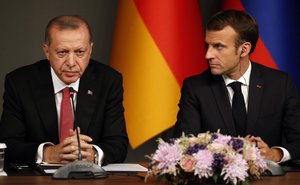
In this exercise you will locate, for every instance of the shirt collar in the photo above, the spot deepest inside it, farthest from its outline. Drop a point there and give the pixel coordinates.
(59, 85)
(244, 79)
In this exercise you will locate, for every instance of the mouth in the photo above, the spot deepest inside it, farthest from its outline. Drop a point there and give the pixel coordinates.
(213, 65)
(70, 73)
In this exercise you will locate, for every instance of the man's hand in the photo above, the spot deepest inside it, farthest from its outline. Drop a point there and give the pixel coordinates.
(273, 154)
(67, 150)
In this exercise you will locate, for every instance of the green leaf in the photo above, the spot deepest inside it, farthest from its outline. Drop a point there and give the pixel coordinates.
(215, 177)
(245, 183)
(161, 177)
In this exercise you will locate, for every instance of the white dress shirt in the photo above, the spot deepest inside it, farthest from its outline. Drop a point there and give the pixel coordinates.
(245, 81)
(58, 87)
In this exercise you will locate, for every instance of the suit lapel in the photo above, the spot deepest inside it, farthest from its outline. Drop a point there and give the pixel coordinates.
(255, 97)
(222, 99)
(87, 99)
(43, 94)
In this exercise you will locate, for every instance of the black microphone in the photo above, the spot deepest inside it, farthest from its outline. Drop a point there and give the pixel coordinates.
(79, 169)
(75, 126)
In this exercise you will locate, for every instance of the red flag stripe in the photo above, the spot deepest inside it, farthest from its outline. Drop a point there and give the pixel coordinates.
(179, 34)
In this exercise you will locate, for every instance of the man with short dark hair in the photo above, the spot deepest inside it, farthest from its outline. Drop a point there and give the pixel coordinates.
(239, 96)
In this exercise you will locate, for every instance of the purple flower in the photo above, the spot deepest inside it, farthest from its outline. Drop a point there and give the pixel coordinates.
(202, 147)
(193, 149)
(171, 140)
(237, 144)
(214, 136)
(218, 162)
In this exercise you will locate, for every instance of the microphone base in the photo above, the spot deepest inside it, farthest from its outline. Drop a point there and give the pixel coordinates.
(80, 170)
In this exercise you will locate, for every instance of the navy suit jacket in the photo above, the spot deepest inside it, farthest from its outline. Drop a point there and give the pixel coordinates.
(29, 115)
(273, 107)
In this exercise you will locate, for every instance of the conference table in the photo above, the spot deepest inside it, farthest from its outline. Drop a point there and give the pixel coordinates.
(289, 179)
(33, 178)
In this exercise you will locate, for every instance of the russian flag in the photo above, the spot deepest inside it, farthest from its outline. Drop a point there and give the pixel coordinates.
(279, 41)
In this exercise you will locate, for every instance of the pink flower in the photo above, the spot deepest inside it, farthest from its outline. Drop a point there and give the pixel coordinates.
(236, 169)
(222, 139)
(250, 153)
(167, 157)
(260, 161)
(203, 166)
(187, 163)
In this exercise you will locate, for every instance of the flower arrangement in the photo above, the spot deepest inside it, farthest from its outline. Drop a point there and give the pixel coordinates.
(207, 158)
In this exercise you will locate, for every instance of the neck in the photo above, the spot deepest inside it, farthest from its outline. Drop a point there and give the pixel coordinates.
(240, 69)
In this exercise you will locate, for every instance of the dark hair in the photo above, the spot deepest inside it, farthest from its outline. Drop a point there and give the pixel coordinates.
(245, 26)
(66, 22)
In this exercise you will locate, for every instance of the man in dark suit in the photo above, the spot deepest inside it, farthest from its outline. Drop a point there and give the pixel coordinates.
(31, 111)
(270, 99)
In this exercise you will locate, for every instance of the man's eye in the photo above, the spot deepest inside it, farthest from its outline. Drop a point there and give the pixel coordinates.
(218, 46)
(79, 53)
(61, 53)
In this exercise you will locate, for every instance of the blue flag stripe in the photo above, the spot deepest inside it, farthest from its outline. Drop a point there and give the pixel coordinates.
(278, 22)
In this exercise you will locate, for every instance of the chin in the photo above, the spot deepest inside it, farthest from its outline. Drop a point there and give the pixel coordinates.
(69, 80)
(215, 72)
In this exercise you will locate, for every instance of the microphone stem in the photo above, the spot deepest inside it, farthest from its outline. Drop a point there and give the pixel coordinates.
(79, 147)
(76, 129)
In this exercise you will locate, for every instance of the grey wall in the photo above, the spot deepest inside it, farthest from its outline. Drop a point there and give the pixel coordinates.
(22, 24)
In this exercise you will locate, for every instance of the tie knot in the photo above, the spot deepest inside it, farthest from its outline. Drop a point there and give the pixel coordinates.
(236, 86)
(66, 92)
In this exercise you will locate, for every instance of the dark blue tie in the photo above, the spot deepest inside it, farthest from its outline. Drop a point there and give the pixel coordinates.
(239, 109)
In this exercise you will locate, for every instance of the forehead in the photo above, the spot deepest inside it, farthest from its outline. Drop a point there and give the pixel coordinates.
(58, 34)
(226, 35)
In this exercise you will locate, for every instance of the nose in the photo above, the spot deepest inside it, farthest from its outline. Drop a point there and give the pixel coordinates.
(71, 60)
(209, 53)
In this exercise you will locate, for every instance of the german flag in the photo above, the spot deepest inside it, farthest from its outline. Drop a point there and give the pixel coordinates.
(157, 43)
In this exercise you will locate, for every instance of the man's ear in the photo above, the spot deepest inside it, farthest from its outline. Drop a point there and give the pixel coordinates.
(91, 48)
(46, 50)
(245, 48)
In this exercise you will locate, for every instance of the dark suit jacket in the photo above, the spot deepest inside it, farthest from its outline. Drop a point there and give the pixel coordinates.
(29, 115)
(273, 107)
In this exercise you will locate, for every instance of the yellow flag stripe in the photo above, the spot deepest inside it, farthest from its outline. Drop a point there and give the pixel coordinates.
(151, 92)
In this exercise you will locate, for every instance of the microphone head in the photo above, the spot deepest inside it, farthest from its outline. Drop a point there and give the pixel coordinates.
(71, 91)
